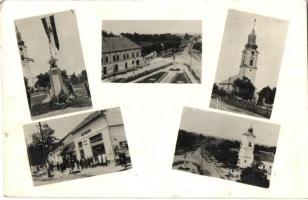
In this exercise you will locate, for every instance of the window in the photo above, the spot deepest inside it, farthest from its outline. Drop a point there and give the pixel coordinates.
(133, 55)
(80, 144)
(115, 69)
(252, 53)
(106, 59)
(133, 62)
(22, 57)
(124, 56)
(126, 65)
(251, 62)
(127, 55)
(118, 57)
(113, 58)
(105, 70)
(96, 138)
(245, 161)
(137, 54)
(249, 144)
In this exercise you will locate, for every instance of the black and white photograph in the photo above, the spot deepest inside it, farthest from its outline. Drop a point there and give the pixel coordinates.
(77, 146)
(151, 51)
(54, 72)
(249, 64)
(226, 147)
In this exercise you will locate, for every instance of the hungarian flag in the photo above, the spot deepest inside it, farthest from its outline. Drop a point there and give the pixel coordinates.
(51, 31)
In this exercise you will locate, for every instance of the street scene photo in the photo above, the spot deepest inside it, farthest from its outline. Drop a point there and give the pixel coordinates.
(77, 146)
(54, 73)
(249, 64)
(226, 147)
(150, 51)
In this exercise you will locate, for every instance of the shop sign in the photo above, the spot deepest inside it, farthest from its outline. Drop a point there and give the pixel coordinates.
(86, 132)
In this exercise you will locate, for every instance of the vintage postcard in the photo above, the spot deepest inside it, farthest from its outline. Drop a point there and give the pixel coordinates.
(54, 73)
(77, 146)
(149, 51)
(249, 64)
(227, 147)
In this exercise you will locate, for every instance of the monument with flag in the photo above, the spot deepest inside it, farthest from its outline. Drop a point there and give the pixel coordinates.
(56, 82)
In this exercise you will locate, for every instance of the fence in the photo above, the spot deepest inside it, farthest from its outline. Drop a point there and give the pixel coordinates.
(250, 106)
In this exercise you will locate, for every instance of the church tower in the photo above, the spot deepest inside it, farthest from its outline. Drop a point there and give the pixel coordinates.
(248, 67)
(25, 60)
(245, 157)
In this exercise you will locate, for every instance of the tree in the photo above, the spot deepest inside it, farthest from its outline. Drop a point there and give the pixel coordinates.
(106, 34)
(64, 74)
(254, 176)
(43, 80)
(215, 89)
(267, 94)
(186, 36)
(244, 88)
(74, 78)
(44, 140)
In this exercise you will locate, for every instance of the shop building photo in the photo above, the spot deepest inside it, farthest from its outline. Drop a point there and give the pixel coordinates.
(54, 73)
(78, 146)
(226, 147)
(249, 64)
(150, 51)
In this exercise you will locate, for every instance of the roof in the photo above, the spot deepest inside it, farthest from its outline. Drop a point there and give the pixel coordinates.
(266, 156)
(87, 120)
(111, 44)
(230, 80)
(249, 132)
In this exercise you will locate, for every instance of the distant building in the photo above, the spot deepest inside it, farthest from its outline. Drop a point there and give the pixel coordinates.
(119, 54)
(246, 157)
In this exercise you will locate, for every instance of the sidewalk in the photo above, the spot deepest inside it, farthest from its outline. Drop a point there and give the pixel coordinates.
(65, 176)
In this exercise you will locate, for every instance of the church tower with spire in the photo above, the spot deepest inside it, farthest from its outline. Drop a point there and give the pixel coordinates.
(25, 60)
(248, 67)
(245, 156)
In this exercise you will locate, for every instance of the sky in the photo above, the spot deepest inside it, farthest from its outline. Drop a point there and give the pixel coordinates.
(70, 53)
(62, 126)
(271, 34)
(153, 26)
(228, 127)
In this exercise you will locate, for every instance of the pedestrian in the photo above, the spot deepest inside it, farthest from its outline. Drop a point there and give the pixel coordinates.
(86, 86)
(104, 159)
(72, 166)
(99, 159)
(81, 163)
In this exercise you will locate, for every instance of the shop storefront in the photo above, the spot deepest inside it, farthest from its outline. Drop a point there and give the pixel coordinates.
(99, 134)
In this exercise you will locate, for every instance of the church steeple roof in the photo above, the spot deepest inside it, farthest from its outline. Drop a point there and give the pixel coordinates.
(250, 132)
(251, 43)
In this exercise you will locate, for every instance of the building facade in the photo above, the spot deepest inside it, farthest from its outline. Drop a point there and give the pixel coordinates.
(102, 132)
(119, 54)
(246, 157)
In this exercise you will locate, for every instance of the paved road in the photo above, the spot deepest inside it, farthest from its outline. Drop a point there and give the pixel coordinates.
(217, 104)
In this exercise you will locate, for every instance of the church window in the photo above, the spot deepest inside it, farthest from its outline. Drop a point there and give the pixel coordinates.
(249, 144)
(245, 161)
(252, 53)
(20, 48)
(251, 62)
(22, 57)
